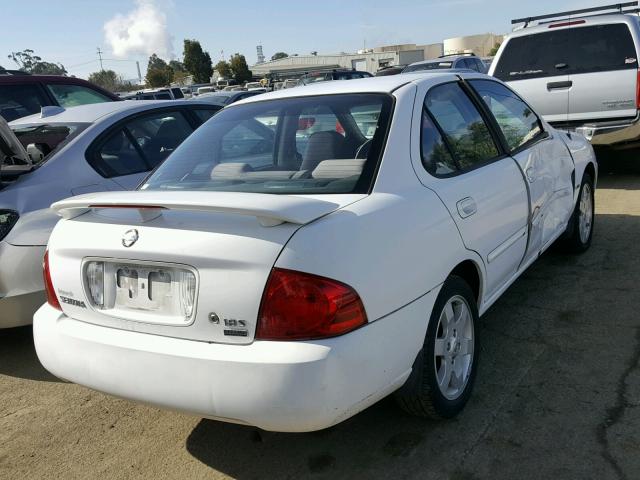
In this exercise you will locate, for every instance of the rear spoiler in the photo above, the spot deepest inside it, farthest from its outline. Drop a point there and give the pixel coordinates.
(269, 209)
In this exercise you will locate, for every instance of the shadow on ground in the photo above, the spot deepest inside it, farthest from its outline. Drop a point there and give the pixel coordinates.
(548, 381)
(18, 356)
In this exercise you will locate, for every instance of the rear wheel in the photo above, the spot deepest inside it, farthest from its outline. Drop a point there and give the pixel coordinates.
(577, 237)
(443, 374)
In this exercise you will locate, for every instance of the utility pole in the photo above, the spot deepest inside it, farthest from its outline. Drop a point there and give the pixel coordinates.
(100, 57)
(139, 75)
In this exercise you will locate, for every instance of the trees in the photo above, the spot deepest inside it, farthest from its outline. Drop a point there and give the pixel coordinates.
(224, 69)
(28, 62)
(279, 55)
(239, 68)
(197, 62)
(159, 73)
(111, 81)
(494, 50)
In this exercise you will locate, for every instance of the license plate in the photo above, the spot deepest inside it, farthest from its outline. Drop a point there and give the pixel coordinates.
(146, 292)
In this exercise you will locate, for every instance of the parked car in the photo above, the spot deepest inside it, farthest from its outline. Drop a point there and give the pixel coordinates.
(465, 61)
(579, 71)
(173, 93)
(390, 70)
(290, 83)
(254, 86)
(260, 279)
(315, 77)
(225, 97)
(107, 146)
(22, 94)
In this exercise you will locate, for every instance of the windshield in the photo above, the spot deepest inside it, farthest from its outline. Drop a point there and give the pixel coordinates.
(428, 66)
(42, 140)
(319, 144)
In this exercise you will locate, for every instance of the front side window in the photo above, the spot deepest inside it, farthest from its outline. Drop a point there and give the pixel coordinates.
(74, 95)
(20, 100)
(317, 144)
(519, 124)
(466, 133)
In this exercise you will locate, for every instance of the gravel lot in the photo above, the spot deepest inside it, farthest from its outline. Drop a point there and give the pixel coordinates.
(557, 395)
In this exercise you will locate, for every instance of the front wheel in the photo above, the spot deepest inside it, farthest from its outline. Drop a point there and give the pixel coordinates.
(442, 378)
(577, 237)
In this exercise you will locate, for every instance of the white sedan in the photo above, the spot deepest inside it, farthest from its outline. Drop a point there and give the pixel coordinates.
(47, 157)
(291, 264)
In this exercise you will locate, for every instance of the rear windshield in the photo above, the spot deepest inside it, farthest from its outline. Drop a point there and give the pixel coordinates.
(428, 66)
(47, 138)
(597, 48)
(320, 144)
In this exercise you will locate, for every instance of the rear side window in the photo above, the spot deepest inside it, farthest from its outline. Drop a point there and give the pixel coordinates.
(20, 100)
(140, 145)
(205, 114)
(596, 48)
(519, 124)
(74, 95)
(47, 138)
(533, 56)
(436, 157)
(465, 131)
(601, 48)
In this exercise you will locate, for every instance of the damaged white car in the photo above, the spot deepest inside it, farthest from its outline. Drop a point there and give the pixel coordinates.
(308, 252)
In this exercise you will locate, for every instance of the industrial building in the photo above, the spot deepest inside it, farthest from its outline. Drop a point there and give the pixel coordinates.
(372, 60)
(369, 60)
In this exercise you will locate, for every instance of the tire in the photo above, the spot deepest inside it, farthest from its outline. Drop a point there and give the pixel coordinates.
(422, 395)
(577, 237)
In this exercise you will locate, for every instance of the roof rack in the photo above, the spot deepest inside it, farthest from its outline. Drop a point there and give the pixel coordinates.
(4, 71)
(617, 6)
(463, 54)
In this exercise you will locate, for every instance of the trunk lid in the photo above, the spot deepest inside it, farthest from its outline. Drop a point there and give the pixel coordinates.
(220, 237)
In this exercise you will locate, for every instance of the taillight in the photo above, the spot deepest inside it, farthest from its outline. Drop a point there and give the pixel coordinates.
(302, 306)
(52, 298)
(638, 91)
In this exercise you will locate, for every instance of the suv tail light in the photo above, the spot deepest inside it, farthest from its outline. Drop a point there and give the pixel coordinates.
(52, 298)
(638, 91)
(302, 306)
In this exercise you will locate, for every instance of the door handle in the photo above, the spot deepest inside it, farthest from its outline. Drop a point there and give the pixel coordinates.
(466, 207)
(559, 85)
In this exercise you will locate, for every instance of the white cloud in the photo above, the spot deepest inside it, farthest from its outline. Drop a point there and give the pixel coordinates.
(142, 31)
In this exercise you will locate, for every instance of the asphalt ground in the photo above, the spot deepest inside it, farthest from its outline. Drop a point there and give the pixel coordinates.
(557, 394)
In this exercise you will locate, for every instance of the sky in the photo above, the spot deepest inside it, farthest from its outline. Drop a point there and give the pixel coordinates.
(71, 31)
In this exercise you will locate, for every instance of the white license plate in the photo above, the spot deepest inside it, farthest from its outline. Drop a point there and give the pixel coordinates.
(148, 292)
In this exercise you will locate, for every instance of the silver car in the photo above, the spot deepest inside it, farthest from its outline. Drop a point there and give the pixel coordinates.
(579, 70)
(91, 148)
(461, 61)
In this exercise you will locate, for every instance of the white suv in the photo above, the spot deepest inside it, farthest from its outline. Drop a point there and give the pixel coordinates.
(579, 70)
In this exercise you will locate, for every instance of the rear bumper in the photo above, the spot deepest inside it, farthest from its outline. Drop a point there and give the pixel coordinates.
(617, 134)
(279, 386)
(21, 285)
